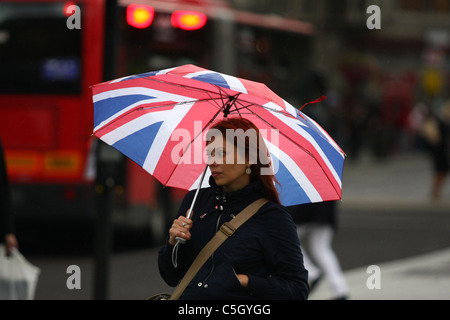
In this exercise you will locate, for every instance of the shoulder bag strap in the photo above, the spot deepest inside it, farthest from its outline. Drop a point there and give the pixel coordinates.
(225, 231)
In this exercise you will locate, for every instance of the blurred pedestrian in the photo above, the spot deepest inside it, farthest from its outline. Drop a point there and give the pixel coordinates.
(7, 235)
(435, 130)
(316, 225)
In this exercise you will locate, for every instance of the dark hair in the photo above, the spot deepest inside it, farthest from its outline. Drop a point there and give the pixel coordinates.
(252, 146)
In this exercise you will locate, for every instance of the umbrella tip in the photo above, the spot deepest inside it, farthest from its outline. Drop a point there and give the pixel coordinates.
(321, 98)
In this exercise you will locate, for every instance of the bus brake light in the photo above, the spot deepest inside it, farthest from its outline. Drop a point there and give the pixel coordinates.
(188, 20)
(140, 16)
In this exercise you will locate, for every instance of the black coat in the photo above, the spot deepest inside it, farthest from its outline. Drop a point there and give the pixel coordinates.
(323, 213)
(266, 248)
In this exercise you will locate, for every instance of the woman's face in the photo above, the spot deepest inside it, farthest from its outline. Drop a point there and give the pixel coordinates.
(227, 165)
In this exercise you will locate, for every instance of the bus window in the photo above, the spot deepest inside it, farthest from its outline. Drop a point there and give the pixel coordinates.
(38, 53)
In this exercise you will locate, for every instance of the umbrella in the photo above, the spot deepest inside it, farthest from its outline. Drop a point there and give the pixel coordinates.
(159, 120)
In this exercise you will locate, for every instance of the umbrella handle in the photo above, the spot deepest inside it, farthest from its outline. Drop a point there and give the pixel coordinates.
(196, 193)
(181, 240)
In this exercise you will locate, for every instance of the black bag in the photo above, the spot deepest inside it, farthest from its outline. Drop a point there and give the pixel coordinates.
(160, 296)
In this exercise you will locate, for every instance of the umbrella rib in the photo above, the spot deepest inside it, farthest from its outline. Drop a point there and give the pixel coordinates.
(162, 105)
(209, 92)
(176, 103)
(185, 86)
(259, 105)
(245, 106)
(215, 99)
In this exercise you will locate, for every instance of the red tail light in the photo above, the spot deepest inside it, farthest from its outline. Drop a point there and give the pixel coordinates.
(188, 20)
(140, 16)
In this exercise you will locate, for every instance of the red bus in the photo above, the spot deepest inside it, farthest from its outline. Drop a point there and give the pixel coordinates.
(45, 102)
(50, 56)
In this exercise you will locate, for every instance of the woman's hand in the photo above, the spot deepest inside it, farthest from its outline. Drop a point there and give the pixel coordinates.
(243, 279)
(10, 242)
(180, 228)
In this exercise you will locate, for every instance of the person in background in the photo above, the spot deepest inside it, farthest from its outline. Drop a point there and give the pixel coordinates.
(7, 235)
(316, 225)
(435, 130)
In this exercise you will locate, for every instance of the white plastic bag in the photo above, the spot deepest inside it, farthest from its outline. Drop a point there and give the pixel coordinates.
(18, 277)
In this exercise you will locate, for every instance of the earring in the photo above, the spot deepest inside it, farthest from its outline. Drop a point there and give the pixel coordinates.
(248, 170)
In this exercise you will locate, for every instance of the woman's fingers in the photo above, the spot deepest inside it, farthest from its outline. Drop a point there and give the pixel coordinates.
(184, 222)
(180, 228)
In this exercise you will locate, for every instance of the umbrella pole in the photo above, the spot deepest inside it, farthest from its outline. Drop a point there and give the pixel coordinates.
(181, 240)
(196, 193)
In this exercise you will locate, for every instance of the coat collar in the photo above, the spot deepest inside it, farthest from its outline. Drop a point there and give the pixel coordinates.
(238, 198)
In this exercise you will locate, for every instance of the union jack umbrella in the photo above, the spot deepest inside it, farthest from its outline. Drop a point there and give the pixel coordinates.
(148, 116)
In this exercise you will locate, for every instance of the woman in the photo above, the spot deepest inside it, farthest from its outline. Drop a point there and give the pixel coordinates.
(262, 260)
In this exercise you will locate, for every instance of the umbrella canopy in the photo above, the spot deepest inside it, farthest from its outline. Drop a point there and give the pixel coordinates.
(159, 119)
